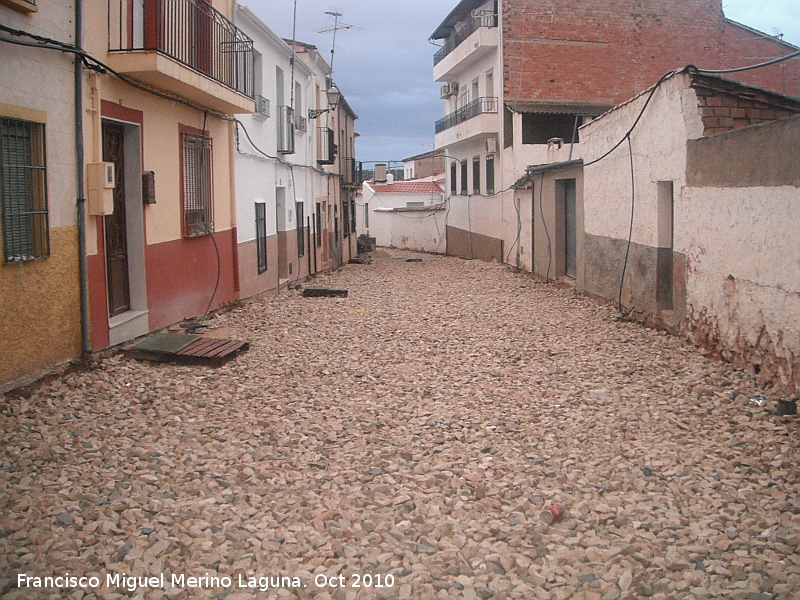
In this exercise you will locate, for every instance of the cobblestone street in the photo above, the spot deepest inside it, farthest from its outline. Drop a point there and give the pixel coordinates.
(407, 437)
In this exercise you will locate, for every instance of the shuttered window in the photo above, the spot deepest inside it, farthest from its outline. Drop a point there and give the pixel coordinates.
(198, 200)
(24, 191)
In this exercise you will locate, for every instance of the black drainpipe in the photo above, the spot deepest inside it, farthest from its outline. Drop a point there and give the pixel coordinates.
(79, 157)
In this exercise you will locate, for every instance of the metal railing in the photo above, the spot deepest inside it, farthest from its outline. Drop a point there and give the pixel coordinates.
(482, 19)
(190, 32)
(473, 109)
(352, 172)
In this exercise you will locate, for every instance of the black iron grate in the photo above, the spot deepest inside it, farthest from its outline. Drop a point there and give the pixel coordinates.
(198, 200)
(24, 191)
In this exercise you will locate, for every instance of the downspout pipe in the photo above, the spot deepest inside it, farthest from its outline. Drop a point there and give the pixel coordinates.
(81, 191)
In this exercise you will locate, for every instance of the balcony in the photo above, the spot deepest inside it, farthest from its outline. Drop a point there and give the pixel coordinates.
(477, 107)
(466, 46)
(478, 118)
(326, 146)
(184, 47)
(352, 172)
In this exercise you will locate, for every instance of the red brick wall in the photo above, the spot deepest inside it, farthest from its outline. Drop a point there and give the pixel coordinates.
(741, 47)
(610, 50)
(726, 112)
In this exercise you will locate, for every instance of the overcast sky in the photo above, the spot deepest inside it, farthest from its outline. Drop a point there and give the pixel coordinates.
(385, 68)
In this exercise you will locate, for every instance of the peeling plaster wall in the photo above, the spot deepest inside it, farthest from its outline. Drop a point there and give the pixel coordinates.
(743, 268)
(736, 248)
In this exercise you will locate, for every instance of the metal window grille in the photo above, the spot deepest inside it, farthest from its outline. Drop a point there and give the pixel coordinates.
(464, 190)
(489, 175)
(24, 191)
(453, 179)
(301, 238)
(476, 175)
(261, 235)
(198, 201)
(346, 217)
(353, 215)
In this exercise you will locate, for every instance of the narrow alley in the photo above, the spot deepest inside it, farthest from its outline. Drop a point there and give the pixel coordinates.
(407, 438)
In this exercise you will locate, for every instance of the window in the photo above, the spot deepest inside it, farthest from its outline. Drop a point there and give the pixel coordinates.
(464, 190)
(24, 191)
(415, 204)
(346, 217)
(198, 204)
(490, 174)
(301, 235)
(366, 215)
(453, 178)
(353, 215)
(476, 175)
(261, 235)
(537, 128)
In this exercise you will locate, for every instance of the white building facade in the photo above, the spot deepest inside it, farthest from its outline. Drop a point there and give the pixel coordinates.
(288, 193)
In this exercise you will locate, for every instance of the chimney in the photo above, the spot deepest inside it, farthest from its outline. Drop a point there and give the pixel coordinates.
(380, 173)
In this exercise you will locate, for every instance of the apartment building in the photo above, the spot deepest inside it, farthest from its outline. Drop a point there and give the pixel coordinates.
(161, 234)
(282, 189)
(40, 306)
(519, 78)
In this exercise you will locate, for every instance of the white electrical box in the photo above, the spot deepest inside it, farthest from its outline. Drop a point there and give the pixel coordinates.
(100, 182)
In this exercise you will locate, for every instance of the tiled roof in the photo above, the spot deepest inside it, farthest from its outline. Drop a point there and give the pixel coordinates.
(407, 187)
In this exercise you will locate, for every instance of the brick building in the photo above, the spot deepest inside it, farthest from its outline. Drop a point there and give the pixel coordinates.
(519, 78)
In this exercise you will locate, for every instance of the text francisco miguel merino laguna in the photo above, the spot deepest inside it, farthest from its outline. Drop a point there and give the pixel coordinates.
(132, 583)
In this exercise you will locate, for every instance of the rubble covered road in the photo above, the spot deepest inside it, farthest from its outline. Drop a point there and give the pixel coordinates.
(405, 440)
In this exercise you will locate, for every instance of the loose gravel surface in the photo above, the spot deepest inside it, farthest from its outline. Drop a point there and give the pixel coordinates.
(406, 439)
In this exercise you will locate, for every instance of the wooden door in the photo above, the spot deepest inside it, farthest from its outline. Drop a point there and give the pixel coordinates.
(116, 238)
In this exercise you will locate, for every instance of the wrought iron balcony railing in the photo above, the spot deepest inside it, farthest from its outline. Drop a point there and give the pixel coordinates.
(473, 109)
(482, 19)
(191, 32)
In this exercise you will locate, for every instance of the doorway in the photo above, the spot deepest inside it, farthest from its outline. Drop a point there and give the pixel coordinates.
(570, 235)
(116, 229)
(283, 232)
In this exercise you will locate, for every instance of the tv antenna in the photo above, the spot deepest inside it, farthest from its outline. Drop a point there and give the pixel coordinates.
(337, 26)
(778, 33)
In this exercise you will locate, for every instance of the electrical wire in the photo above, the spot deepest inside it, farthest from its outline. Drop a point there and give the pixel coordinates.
(519, 232)
(546, 232)
(219, 271)
(630, 235)
(774, 61)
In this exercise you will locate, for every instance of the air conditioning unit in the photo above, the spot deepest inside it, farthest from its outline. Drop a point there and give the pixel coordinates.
(445, 91)
(454, 88)
(491, 146)
(262, 106)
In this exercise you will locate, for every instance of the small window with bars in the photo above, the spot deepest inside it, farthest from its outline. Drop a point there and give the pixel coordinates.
(198, 198)
(261, 235)
(24, 191)
(301, 234)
